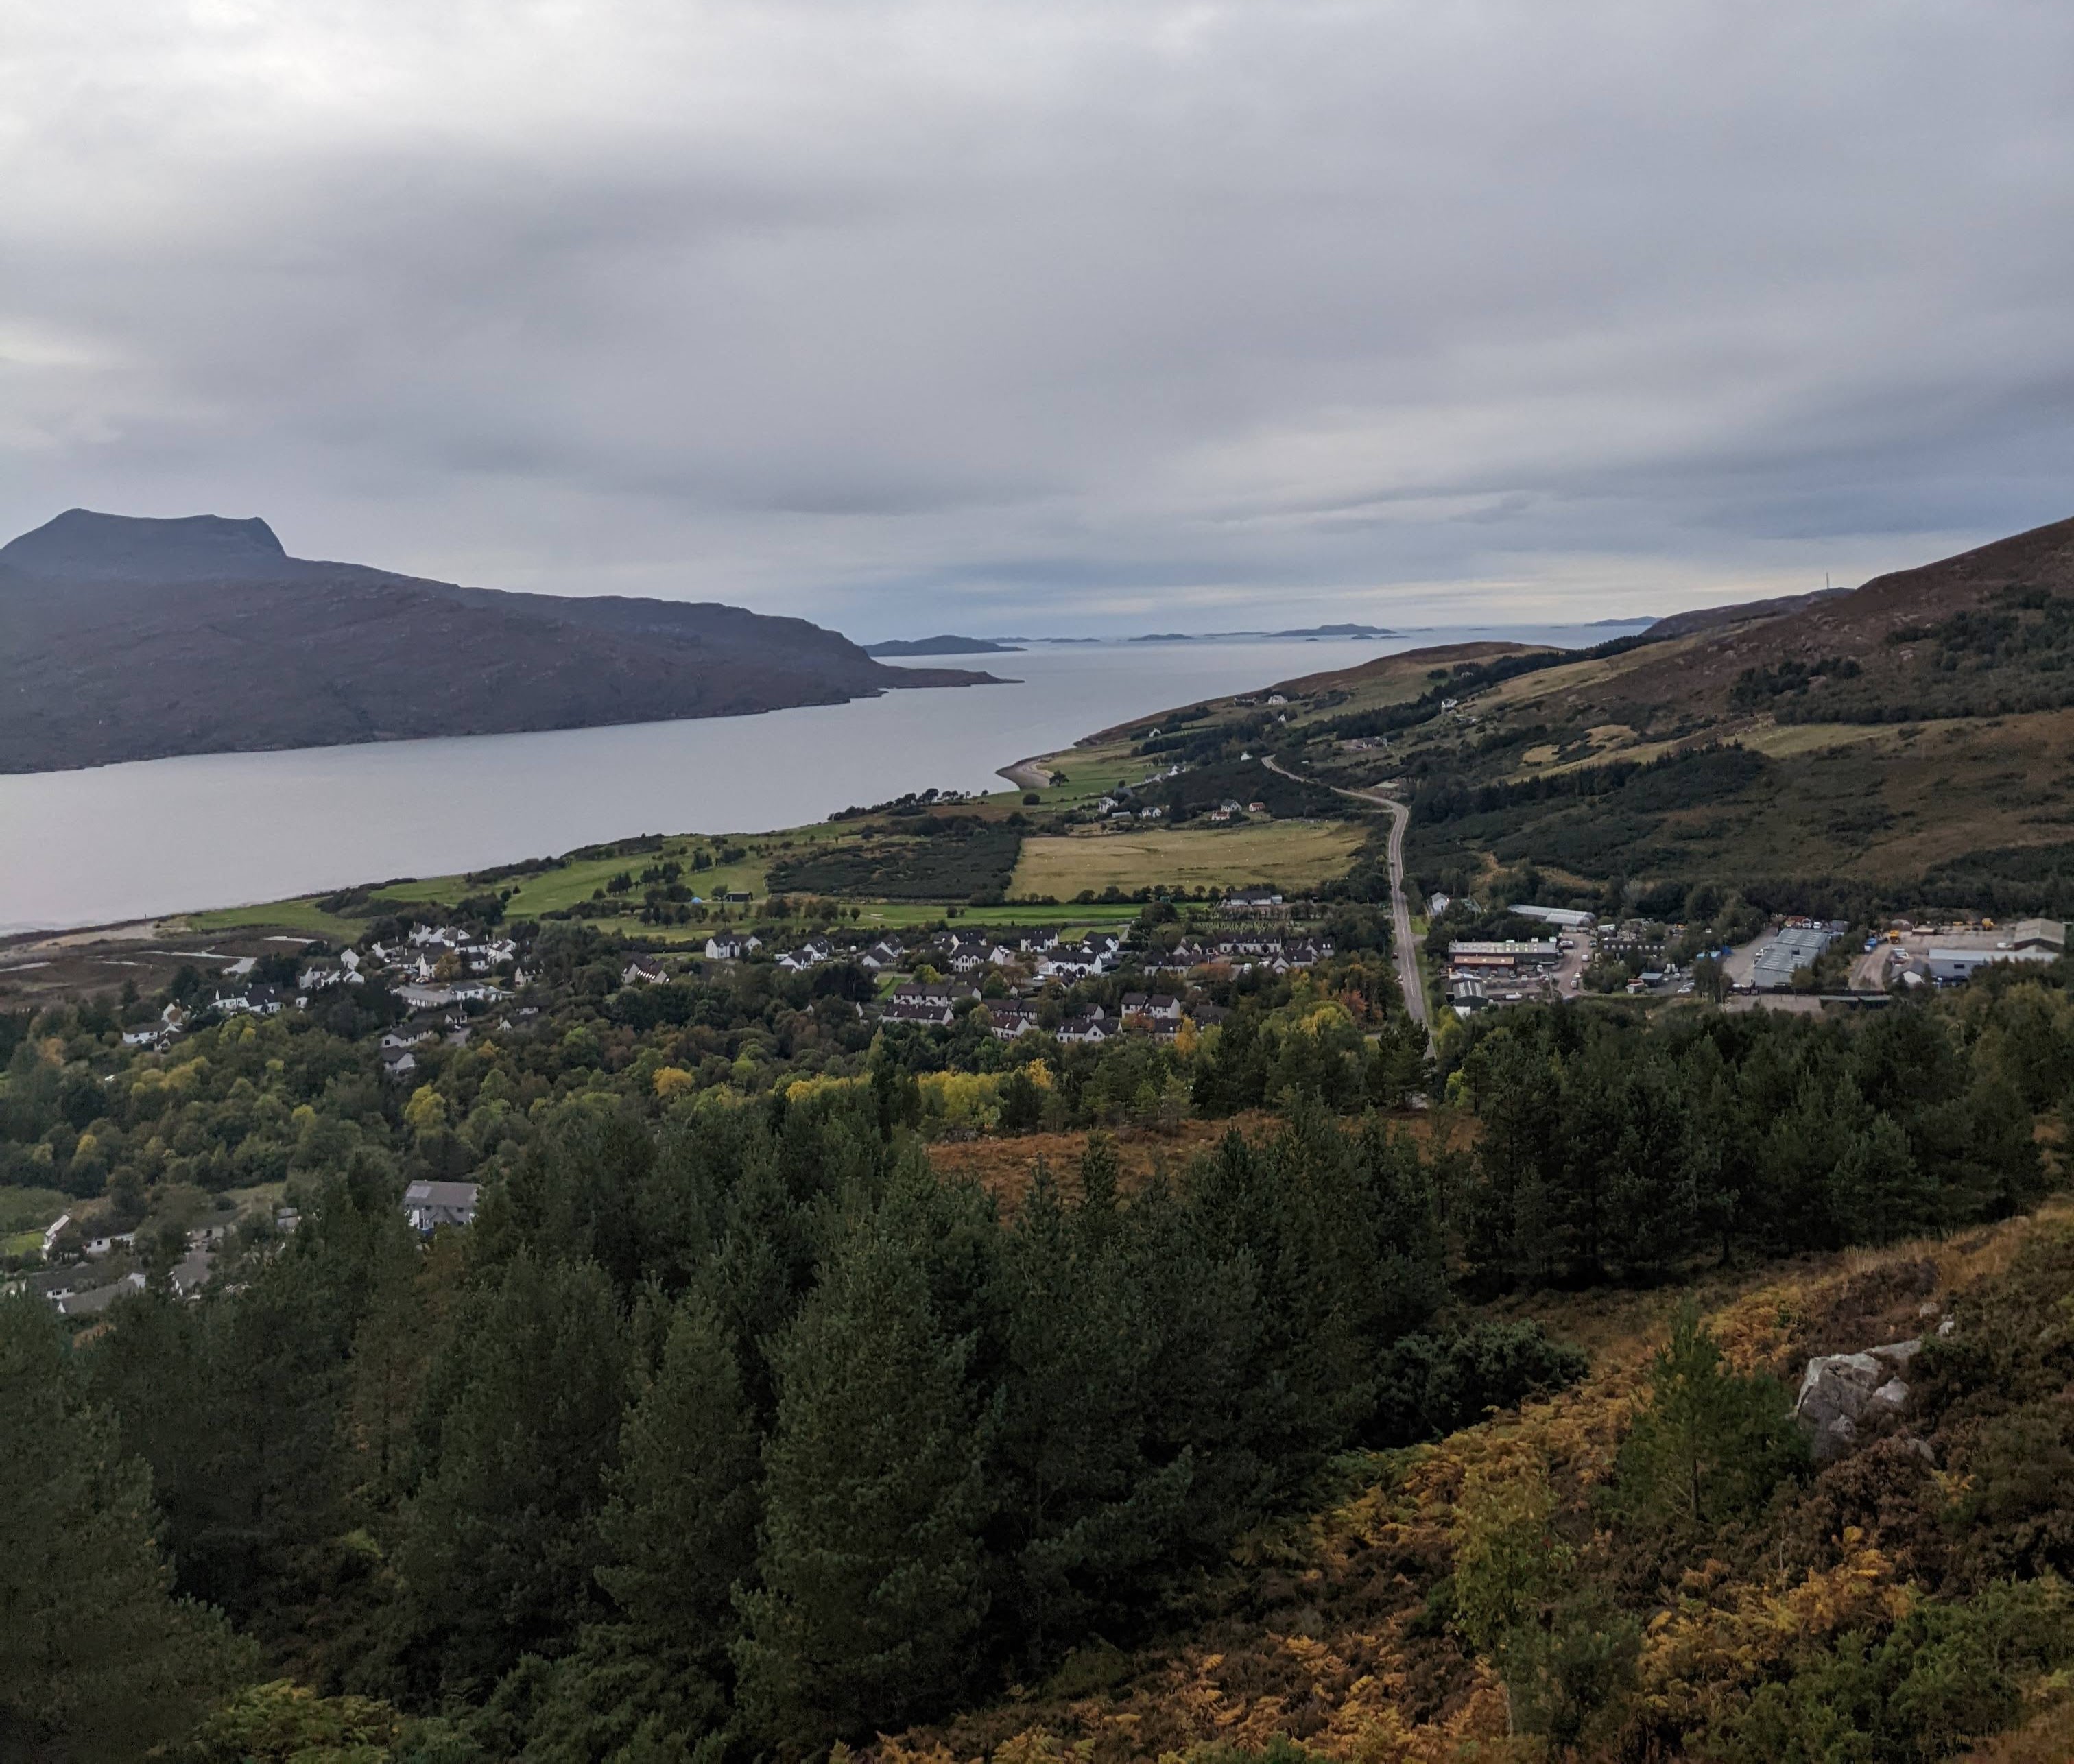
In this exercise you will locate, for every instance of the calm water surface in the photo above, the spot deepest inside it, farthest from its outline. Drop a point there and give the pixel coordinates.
(118, 842)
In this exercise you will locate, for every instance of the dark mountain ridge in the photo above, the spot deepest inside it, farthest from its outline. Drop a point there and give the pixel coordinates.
(123, 638)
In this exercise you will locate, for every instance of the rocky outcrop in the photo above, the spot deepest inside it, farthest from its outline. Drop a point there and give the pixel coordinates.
(1842, 1394)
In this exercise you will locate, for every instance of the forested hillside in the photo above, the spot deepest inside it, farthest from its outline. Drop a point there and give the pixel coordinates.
(734, 1427)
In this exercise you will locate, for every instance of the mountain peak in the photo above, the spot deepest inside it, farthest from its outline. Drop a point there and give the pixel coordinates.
(84, 546)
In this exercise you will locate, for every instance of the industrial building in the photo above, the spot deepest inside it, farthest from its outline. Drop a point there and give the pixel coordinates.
(1791, 949)
(1510, 954)
(1567, 917)
(1947, 965)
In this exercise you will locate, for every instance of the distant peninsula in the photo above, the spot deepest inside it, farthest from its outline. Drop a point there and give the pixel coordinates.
(123, 638)
(941, 646)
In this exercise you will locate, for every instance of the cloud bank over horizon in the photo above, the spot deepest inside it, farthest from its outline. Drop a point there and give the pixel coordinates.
(1066, 317)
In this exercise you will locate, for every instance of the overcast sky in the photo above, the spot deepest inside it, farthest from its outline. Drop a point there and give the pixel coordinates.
(1012, 316)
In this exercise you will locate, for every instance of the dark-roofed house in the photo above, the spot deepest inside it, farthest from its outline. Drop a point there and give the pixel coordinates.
(1009, 1018)
(428, 1205)
(916, 1011)
(933, 992)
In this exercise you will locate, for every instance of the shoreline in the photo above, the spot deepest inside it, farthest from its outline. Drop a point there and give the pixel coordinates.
(1030, 774)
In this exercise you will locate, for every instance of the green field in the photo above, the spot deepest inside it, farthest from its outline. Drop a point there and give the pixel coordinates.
(902, 915)
(1292, 854)
(303, 914)
(24, 1212)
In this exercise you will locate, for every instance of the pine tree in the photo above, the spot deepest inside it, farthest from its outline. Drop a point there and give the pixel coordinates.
(97, 1659)
(502, 1543)
(1086, 1520)
(680, 1526)
(1711, 1444)
(679, 1533)
(1877, 1193)
(872, 1586)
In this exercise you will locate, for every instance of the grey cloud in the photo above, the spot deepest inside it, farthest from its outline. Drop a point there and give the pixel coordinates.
(858, 310)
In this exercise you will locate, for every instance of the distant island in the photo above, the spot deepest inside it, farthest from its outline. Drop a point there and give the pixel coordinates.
(1305, 631)
(1010, 646)
(123, 638)
(941, 646)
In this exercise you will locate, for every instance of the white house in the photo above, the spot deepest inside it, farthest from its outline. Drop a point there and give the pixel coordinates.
(728, 946)
(428, 1205)
(811, 954)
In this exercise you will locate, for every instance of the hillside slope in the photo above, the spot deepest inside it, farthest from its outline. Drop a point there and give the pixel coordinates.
(1920, 640)
(1909, 743)
(125, 639)
(1342, 1633)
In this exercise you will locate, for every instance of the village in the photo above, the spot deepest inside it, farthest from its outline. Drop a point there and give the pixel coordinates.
(454, 981)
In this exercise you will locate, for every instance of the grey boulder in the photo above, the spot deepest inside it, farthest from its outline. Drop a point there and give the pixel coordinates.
(1841, 1393)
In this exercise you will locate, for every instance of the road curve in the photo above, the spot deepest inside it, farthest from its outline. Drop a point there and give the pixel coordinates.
(1408, 977)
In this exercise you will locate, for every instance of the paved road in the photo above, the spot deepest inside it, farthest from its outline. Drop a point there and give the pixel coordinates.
(1408, 977)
